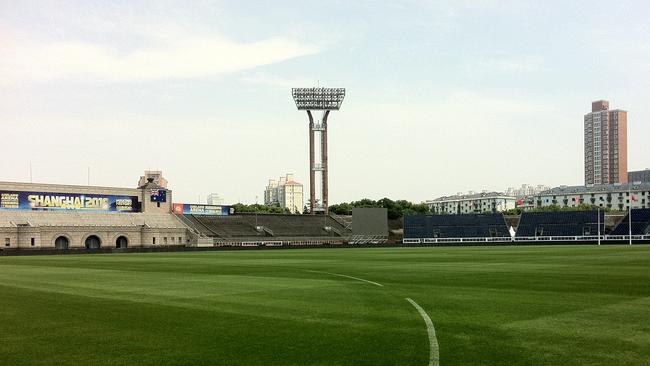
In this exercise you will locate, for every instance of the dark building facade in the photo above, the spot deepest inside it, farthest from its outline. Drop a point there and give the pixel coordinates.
(642, 176)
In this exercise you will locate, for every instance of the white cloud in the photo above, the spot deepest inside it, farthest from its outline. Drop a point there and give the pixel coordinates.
(182, 56)
(277, 81)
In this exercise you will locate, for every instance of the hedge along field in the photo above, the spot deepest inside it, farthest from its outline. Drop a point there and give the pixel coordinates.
(560, 305)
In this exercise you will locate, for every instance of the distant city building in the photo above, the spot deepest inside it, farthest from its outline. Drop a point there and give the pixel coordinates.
(526, 190)
(214, 199)
(613, 196)
(271, 193)
(472, 203)
(285, 192)
(642, 176)
(157, 178)
(605, 142)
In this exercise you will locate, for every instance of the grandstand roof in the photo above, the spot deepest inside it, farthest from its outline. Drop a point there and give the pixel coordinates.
(66, 188)
(471, 196)
(622, 187)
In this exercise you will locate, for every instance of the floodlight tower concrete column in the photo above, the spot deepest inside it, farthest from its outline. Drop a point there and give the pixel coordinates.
(312, 171)
(325, 100)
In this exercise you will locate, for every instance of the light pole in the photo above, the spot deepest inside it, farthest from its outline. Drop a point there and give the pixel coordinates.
(629, 213)
(598, 226)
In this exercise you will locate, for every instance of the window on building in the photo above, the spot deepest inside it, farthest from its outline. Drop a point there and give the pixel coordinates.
(154, 240)
(7, 242)
(180, 239)
(165, 240)
(33, 241)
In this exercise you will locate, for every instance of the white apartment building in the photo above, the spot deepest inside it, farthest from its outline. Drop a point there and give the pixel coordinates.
(526, 190)
(618, 196)
(285, 192)
(485, 202)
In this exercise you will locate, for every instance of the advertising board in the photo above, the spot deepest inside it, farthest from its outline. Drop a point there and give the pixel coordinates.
(200, 209)
(48, 201)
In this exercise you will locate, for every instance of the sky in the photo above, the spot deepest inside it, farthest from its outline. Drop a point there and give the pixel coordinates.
(441, 96)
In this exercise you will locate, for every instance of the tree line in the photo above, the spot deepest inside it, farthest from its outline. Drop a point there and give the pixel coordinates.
(261, 209)
(396, 209)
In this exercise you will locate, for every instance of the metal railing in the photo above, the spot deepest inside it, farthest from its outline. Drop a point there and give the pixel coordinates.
(275, 243)
(368, 239)
(528, 239)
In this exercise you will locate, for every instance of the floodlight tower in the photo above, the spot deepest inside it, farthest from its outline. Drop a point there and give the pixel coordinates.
(323, 100)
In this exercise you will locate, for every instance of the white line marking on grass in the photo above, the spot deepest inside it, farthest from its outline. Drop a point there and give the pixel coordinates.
(346, 276)
(434, 353)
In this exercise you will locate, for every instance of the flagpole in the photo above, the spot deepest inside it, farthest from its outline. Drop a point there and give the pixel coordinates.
(629, 214)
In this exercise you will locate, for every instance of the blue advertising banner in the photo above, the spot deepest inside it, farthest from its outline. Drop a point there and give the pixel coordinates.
(199, 209)
(48, 201)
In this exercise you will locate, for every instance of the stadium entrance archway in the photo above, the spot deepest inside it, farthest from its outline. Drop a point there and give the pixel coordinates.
(121, 242)
(61, 243)
(93, 242)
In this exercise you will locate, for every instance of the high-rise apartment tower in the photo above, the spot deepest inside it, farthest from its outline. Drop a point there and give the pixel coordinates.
(605, 144)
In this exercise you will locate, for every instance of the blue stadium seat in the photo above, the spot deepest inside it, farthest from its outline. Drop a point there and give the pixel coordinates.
(455, 226)
(561, 223)
(640, 223)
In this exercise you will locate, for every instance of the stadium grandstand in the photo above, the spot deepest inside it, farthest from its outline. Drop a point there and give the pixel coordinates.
(446, 228)
(561, 227)
(238, 229)
(561, 223)
(53, 216)
(35, 216)
(67, 217)
(640, 223)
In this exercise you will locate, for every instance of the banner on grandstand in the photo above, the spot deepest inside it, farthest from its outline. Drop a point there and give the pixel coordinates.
(48, 201)
(199, 209)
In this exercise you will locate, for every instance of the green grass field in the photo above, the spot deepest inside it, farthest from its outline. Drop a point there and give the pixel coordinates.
(564, 305)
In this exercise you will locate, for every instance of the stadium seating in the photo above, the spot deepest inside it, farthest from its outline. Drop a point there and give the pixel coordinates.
(84, 218)
(455, 226)
(561, 223)
(640, 223)
(266, 225)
